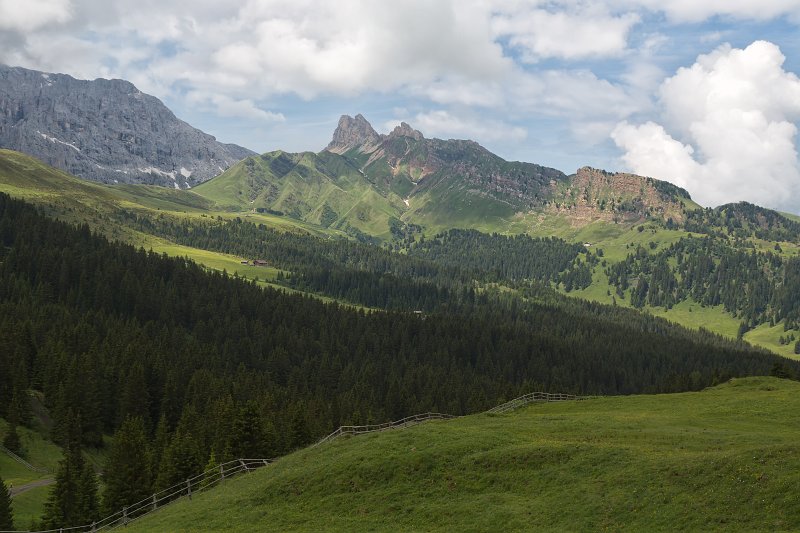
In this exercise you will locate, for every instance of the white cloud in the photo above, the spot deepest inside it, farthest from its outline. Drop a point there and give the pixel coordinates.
(729, 129)
(225, 106)
(567, 34)
(576, 94)
(446, 124)
(698, 11)
(29, 15)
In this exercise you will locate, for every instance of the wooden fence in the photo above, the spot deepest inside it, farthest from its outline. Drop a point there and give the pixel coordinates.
(534, 397)
(371, 428)
(22, 461)
(211, 478)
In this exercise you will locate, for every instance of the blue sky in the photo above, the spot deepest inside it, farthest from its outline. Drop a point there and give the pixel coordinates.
(703, 94)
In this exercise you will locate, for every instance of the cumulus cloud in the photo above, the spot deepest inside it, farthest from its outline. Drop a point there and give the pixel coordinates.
(30, 15)
(567, 34)
(728, 130)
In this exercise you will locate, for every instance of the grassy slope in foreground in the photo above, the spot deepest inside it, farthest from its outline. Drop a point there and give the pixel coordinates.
(722, 459)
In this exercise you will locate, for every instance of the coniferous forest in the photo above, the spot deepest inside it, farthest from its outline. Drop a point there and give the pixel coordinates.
(195, 367)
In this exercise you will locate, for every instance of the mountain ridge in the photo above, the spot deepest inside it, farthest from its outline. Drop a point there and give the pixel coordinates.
(376, 183)
(106, 130)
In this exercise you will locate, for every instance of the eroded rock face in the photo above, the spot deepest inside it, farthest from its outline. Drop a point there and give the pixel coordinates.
(106, 130)
(404, 130)
(594, 194)
(353, 132)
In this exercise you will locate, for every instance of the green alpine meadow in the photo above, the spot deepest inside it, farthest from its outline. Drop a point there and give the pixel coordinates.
(721, 459)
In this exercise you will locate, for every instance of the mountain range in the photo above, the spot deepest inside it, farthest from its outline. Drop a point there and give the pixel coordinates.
(363, 182)
(106, 130)
(380, 185)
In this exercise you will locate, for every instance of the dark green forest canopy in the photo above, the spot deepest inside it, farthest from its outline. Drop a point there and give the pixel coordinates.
(756, 286)
(429, 274)
(111, 332)
(743, 220)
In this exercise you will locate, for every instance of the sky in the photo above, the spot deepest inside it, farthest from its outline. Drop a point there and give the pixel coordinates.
(702, 93)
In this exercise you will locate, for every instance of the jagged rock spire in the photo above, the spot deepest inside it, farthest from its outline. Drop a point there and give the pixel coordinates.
(353, 133)
(404, 130)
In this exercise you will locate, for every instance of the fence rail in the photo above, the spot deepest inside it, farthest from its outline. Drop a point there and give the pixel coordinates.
(23, 462)
(534, 397)
(187, 488)
(371, 428)
(213, 477)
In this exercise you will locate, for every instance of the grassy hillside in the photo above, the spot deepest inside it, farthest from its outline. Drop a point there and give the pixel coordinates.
(75, 200)
(321, 189)
(40, 452)
(725, 459)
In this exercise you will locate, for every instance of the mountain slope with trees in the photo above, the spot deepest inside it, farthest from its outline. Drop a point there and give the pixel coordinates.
(203, 363)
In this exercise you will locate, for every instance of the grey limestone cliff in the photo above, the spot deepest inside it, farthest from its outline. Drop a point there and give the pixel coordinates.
(106, 130)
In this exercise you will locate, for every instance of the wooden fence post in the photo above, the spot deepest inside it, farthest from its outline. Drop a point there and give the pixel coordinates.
(189, 488)
(125, 516)
(222, 472)
(155, 502)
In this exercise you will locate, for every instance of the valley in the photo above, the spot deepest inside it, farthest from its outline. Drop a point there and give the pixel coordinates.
(567, 276)
(440, 266)
(353, 190)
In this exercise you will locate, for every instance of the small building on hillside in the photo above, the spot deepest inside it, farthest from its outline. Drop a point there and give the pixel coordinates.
(260, 262)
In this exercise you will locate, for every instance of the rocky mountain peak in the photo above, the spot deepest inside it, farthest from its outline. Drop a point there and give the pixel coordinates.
(105, 130)
(404, 130)
(353, 133)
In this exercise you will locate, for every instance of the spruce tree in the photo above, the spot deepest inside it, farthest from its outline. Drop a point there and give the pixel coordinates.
(211, 471)
(88, 503)
(179, 462)
(183, 458)
(797, 348)
(159, 446)
(73, 498)
(12, 440)
(127, 470)
(6, 516)
(247, 440)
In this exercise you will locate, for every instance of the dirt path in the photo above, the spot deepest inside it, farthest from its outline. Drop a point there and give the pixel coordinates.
(16, 491)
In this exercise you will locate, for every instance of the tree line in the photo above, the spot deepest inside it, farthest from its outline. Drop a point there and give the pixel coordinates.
(755, 286)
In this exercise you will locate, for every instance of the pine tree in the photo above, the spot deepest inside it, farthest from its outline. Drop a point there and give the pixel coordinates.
(247, 440)
(127, 470)
(183, 458)
(88, 502)
(12, 440)
(211, 471)
(6, 516)
(797, 348)
(73, 498)
(160, 444)
(20, 409)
